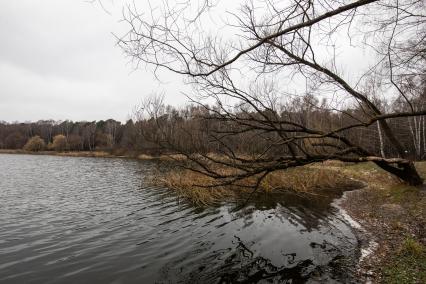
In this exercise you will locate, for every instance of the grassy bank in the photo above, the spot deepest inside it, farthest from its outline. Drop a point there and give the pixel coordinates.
(395, 215)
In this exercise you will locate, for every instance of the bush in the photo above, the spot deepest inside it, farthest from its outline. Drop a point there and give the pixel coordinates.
(59, 143)
(35, 144)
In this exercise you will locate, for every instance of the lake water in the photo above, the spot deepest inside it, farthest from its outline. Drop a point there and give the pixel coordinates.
(94, 220)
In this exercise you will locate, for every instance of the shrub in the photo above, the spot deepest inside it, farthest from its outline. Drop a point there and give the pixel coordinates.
(59, 143)
(35, 144)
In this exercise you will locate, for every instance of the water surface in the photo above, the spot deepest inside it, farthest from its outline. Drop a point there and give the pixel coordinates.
(94, 220)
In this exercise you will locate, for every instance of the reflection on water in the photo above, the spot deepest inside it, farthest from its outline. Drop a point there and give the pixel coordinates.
(92, 220)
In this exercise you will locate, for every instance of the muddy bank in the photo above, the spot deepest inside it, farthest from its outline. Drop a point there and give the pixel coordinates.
(390, 220)
(367, 243)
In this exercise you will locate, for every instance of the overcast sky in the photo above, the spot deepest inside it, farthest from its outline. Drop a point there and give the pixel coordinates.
(59, 60)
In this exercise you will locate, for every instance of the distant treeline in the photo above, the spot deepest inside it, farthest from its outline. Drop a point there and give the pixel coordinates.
(157, 128)
(71, 136)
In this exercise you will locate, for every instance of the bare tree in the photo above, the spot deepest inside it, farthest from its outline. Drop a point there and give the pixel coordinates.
(278, 43)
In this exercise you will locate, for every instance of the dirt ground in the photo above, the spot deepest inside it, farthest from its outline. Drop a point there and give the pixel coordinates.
(394, 217)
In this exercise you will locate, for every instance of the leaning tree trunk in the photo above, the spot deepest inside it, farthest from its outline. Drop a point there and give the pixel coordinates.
(405, 171)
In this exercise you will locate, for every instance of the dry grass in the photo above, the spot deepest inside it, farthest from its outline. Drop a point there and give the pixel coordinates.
(186, 183)
(12, 151)
(333, 163)
(421, 167)
(371, 174)
(97, 154)
(309, 179)
(145, 157)
(171, 157)
(201, 189)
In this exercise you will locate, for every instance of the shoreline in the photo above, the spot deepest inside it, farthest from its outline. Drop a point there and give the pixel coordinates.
(367, 244)
(389, 222)
(85, 154)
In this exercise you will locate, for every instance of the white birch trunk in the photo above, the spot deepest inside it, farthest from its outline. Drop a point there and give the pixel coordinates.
(382, 150)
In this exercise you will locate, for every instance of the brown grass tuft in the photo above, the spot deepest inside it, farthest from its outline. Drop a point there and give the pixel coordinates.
(97, 154)
(312, 180)
(201, 189)
(186, 184)
(145, 157)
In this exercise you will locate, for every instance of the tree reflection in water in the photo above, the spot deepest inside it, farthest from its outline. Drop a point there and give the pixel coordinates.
(250, 269)
(325, 252)
(242, 265)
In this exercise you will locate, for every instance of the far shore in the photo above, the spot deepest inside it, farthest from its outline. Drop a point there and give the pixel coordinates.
(93, 154)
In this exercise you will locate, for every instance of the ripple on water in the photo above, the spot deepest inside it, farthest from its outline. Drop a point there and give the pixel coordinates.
(86, 220)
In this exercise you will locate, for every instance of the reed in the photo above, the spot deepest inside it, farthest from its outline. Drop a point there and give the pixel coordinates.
(204, 190)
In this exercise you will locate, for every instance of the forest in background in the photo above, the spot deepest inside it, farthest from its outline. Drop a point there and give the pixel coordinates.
(156, 127)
